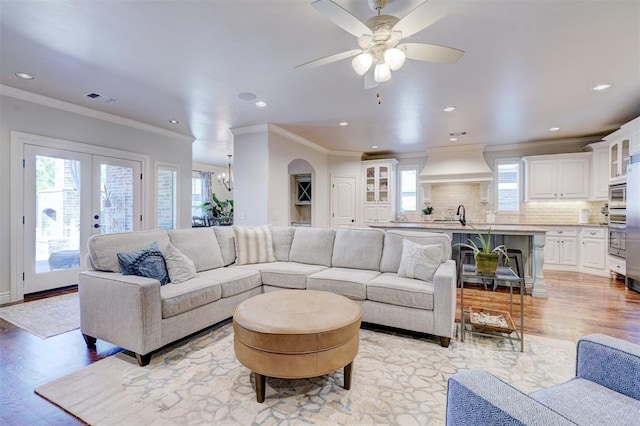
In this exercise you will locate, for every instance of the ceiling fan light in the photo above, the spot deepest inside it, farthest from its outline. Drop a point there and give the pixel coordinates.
(382, 73)
(362, 63)
(395, 58)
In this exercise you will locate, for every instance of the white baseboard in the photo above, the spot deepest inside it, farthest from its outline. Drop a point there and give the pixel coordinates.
(598, 272)
(5, 298)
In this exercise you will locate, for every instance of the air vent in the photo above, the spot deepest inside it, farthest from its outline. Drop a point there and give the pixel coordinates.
(92, 95)
(457, 134)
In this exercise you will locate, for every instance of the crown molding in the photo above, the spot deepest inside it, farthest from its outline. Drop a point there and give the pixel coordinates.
(88, 112)
(547, 143)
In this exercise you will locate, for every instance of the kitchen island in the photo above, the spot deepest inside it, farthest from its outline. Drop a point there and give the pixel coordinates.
(529, 239)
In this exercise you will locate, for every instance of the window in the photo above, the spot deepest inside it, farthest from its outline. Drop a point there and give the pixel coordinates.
(508, 185)
(408, 185)
(166, 196)
(196, 190)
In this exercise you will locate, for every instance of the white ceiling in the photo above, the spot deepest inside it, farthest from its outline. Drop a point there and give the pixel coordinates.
(528, 66)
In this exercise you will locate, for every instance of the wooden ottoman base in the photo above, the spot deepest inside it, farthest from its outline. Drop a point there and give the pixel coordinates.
(293, 334)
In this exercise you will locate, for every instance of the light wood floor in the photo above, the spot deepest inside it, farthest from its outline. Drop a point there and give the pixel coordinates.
(578, 304)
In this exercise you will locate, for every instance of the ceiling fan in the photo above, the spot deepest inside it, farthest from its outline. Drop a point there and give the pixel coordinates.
(379, 39)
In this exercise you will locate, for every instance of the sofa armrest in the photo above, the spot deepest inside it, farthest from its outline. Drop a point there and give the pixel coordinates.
(444, 299)
(121, 309)
(610, 362)
(478, 398)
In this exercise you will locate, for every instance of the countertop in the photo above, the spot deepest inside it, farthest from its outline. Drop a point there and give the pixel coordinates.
(480, 226)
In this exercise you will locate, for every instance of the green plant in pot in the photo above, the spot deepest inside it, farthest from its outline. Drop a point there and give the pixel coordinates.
(485, 256)
(426, 213)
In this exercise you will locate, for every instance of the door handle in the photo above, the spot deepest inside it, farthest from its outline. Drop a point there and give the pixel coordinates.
(96, 225)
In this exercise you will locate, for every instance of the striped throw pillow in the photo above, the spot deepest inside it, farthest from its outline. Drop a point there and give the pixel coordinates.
(253, 245)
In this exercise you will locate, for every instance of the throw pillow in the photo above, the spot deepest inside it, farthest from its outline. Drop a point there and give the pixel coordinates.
(419, 261)
(147, 262)
(179, 266)
(253, 245)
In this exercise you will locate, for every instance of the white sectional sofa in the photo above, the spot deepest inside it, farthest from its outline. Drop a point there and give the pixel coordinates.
(141, 315)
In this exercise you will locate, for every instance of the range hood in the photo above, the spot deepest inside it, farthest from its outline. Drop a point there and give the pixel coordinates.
(459, 164)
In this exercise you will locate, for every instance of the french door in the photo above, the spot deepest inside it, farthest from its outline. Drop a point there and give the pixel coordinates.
(69, 196)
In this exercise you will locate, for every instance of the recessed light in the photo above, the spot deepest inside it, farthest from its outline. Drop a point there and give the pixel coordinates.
(343, 123)
(24, 75)
(261, 104)
(246, 96)
(554, 129)
(453, 139)
(449, 109)
(601, 86)
(174, 121)
(374, 146)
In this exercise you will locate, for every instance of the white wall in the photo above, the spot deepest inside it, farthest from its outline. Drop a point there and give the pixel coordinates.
(251, 172)
(283, 151)
(29, 117)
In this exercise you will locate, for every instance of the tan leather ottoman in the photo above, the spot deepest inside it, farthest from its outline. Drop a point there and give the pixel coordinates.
(293, 334)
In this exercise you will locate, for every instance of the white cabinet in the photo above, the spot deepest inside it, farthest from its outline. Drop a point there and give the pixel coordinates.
(561, 247)
(599, 171)
(617, 265)
(618, 160)
(556, 177)
(379, 190)
(593, 248)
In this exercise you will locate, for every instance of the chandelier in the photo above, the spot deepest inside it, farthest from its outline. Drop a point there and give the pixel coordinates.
(227, 180)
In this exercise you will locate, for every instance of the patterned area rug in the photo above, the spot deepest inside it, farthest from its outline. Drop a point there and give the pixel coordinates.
(397, 379)
(45, 317)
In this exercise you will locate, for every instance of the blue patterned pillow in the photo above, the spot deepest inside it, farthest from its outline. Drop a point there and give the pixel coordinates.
(147, 262)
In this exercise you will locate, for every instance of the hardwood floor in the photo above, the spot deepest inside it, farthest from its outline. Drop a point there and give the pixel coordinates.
(578, 304)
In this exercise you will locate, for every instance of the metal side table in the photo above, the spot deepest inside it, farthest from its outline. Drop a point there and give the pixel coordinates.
(502, 274)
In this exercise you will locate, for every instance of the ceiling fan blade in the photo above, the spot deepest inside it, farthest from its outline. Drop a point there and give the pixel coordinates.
(421, 17)
(369, 81)
(341, 17)
(431, 53)
(329, 59)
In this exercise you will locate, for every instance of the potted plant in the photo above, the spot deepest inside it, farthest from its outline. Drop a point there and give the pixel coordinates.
(221, 210)
(426, 213)
(106, 197)
(485, 256)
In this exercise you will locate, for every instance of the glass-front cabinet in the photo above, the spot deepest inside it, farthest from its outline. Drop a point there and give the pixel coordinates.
(379, 190)
(618, 160)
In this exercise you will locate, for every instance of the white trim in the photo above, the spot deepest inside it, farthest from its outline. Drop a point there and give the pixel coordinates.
(5, 298)
(543, 143)
(508, 160)
(18, 141)
(157, 165)
(400, 168)
(92, 113)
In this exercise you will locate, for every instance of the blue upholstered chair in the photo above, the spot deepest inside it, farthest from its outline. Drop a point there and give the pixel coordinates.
(605, 391)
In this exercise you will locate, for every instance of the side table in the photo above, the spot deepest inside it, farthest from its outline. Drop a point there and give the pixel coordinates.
(502, 274)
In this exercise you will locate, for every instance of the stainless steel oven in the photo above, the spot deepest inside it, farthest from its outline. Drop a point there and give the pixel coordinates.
(618, 195)
(617, 216)
(617, 240)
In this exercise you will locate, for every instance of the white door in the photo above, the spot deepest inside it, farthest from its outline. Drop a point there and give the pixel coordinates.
(63, 207)
(343, 201)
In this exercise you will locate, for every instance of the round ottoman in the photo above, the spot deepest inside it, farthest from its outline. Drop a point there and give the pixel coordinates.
(293, 334)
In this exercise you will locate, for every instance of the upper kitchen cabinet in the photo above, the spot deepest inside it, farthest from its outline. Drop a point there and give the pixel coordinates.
(622, 144)
(618, 160)
(379, 190)
(599, 170)
(557, 177)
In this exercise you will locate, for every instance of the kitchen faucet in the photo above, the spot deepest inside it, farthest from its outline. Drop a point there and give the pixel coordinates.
(463, 219)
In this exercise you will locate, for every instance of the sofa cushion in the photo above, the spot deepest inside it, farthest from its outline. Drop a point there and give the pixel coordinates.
(186, 296)
(253, 245)
(351, 283)
(393, 242)
(179, 266)
(358, 248)
(585, 402)
(282, 237)
(313, 246)
(419, 261)
(393, 289)
(199, 245)
(227, 241)
(286, 274)
(233, 280)
(146, 262)
(103, 248)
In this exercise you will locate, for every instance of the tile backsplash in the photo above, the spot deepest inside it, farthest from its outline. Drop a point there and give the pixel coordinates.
(449, 196)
